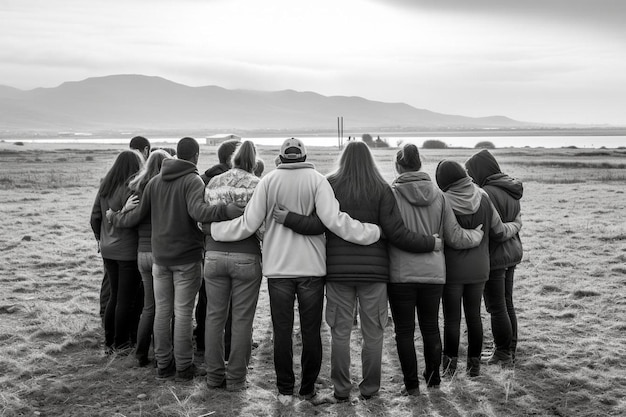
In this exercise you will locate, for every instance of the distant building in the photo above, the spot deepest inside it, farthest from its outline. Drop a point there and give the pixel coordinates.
(217, 139)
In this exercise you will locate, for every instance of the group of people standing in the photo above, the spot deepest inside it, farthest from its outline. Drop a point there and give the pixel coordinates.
(349, 236)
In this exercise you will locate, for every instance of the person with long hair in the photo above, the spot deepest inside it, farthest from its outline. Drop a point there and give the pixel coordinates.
(417, 279)
(119, 252)
(467, 270)
(232, 275)
(362, 272)
(505, 192)
(144, 255)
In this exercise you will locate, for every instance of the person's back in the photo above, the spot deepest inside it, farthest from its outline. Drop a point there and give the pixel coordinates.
(421, 205)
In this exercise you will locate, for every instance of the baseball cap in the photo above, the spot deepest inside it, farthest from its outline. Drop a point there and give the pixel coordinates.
(292, 148)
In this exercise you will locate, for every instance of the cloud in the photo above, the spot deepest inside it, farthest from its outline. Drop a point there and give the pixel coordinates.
(604, 15)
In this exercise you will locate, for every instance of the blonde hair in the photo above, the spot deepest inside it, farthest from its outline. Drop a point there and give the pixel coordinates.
(151, 168)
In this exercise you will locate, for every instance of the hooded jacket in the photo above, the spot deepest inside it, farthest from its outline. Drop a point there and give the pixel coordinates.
(214, 171)
(423, 208)
(116, 244)
(505, 194)
(174, 200)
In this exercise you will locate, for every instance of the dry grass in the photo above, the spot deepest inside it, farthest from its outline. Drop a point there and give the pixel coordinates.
(569, 294)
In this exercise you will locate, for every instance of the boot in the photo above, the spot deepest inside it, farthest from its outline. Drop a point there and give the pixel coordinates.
(449, 365)
(473, 367)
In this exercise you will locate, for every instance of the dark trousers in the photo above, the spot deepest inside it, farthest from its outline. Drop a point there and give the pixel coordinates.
(510, 308)
(310, 294)
(495, 302)
(405, 300)
(470, 295)
(120, 317)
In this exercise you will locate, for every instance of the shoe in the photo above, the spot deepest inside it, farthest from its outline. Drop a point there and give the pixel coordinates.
(412, 392)
(142, 360)
(166, 373)
(473, 367)
(189, 373)
(241, 386)
(220, 386)
(365, 397)
(449, 365)
(341, 399)
(109, 351)
(499, 357)
(124, 349)
(309, 396)
(285, 399)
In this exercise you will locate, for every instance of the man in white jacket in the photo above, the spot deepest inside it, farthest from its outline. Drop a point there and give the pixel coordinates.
(295, 264)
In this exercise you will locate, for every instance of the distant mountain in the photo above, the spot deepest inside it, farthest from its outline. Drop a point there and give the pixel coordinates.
(138, 102)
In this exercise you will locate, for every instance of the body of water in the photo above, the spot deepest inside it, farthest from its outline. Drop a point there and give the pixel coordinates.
(456, 141)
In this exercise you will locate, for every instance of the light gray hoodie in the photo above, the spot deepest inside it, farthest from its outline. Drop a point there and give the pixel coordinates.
(424, 209)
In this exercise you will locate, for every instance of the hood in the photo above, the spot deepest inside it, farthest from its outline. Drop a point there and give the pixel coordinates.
(481, 166)
(216, 170)
(512, 186)
(464, 196)
(416, 188)
(176, 168)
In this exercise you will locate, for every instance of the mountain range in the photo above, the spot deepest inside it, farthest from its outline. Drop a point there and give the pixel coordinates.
(139, 102)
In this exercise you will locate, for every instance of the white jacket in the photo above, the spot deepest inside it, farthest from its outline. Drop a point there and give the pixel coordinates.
(299, 188)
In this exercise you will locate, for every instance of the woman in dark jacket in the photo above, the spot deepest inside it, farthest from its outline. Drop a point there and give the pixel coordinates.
(119, 252)
(505, 193)
(467, 270)
(361, 271)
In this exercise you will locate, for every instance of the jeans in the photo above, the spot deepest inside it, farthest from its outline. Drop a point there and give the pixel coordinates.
(200, 316)
(471, 295)
(146, 322)
(495, 302)
(340, 302)
(510, 308)
(175, 289)
(404, 300)
(230, 279)
(119, 316)
(310, 293)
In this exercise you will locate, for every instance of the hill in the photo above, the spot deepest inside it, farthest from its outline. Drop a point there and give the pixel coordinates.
(138, 102)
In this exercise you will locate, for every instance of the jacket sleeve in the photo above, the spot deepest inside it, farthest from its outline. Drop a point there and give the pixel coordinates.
(396, 231)
(454, 235)
(96, 217)
(340, 223)
(247, 224)
(197, 208)
(503, 231)
(305, 225)
(132, 218)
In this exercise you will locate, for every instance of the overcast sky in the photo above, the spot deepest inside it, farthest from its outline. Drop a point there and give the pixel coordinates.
(561, 61)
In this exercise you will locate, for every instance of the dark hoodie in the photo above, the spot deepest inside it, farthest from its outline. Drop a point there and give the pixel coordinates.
(214, 171)
(175, 201)
(505, 193)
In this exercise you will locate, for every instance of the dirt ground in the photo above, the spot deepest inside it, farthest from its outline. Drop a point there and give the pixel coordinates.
(570, 296)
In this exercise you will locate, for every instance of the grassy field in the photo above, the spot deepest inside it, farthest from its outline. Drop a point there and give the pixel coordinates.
(570, 297)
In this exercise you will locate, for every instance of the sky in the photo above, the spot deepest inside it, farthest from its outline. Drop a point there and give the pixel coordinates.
(544, 61)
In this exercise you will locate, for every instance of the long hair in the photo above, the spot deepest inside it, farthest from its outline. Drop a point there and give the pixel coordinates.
(245, 156)
(151, 168)
(125, 166)
(357, 177)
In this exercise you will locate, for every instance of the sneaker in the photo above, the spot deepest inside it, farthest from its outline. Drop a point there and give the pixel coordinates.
(365, 397)
(412, 392)
(285, 399)
(143, 361)
(189, 373)
(241, 386)
(499, 358)
(166, 373)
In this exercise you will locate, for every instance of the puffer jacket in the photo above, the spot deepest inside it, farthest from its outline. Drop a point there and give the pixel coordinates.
(505, 194)
(423, 208)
